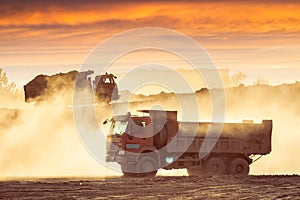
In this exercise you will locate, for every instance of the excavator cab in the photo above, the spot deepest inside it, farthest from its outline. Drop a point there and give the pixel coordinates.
(105, 87)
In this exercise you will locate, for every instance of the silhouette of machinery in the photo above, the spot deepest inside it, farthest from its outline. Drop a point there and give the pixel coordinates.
(104, 86)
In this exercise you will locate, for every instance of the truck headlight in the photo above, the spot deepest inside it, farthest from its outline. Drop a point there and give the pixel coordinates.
(121, 153)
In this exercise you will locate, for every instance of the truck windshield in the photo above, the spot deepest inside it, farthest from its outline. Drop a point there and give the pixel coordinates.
(118, 127)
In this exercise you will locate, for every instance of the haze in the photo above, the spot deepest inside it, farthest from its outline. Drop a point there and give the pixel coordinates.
(258, 38)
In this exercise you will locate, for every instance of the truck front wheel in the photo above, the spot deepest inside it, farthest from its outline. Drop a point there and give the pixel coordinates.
(215, 166)
(129, 175)
(239, 166)
(147, 167)
(195, 171)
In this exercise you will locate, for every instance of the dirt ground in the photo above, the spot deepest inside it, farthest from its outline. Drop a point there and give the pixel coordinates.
(225, 187)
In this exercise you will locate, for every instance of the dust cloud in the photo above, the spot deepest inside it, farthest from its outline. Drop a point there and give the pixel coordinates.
(42, 140)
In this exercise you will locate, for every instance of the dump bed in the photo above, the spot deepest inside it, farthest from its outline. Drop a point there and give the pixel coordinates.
(248, 138)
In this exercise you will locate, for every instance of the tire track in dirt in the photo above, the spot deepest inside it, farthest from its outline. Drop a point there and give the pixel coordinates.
(228, 187)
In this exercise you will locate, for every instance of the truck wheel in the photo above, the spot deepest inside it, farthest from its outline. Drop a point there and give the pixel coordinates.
(147, 167)
(195, 171)
(128, 170)
(129, 175)
(215, 166)
(239, 166)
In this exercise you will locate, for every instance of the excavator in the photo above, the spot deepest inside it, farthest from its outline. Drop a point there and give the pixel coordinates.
(104, 86)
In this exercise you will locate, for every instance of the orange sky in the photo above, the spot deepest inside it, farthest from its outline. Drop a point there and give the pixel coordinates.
(236, 34)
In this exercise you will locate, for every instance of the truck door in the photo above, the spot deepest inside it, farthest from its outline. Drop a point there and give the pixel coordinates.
(139, 134)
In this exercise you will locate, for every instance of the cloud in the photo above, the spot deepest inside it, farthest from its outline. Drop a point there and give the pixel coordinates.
(58, 26)
(204, 16)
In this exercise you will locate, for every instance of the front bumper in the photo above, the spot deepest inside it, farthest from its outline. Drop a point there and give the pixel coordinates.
(121, 159)
(126, 159)
(110, 158)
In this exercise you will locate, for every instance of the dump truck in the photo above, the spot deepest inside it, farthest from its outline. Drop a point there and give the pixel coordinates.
(39, 89)
(155, 140)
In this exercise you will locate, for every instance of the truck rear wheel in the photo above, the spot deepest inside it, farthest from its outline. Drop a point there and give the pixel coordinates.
(239, 166)
(215, 166)
(147, 167)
